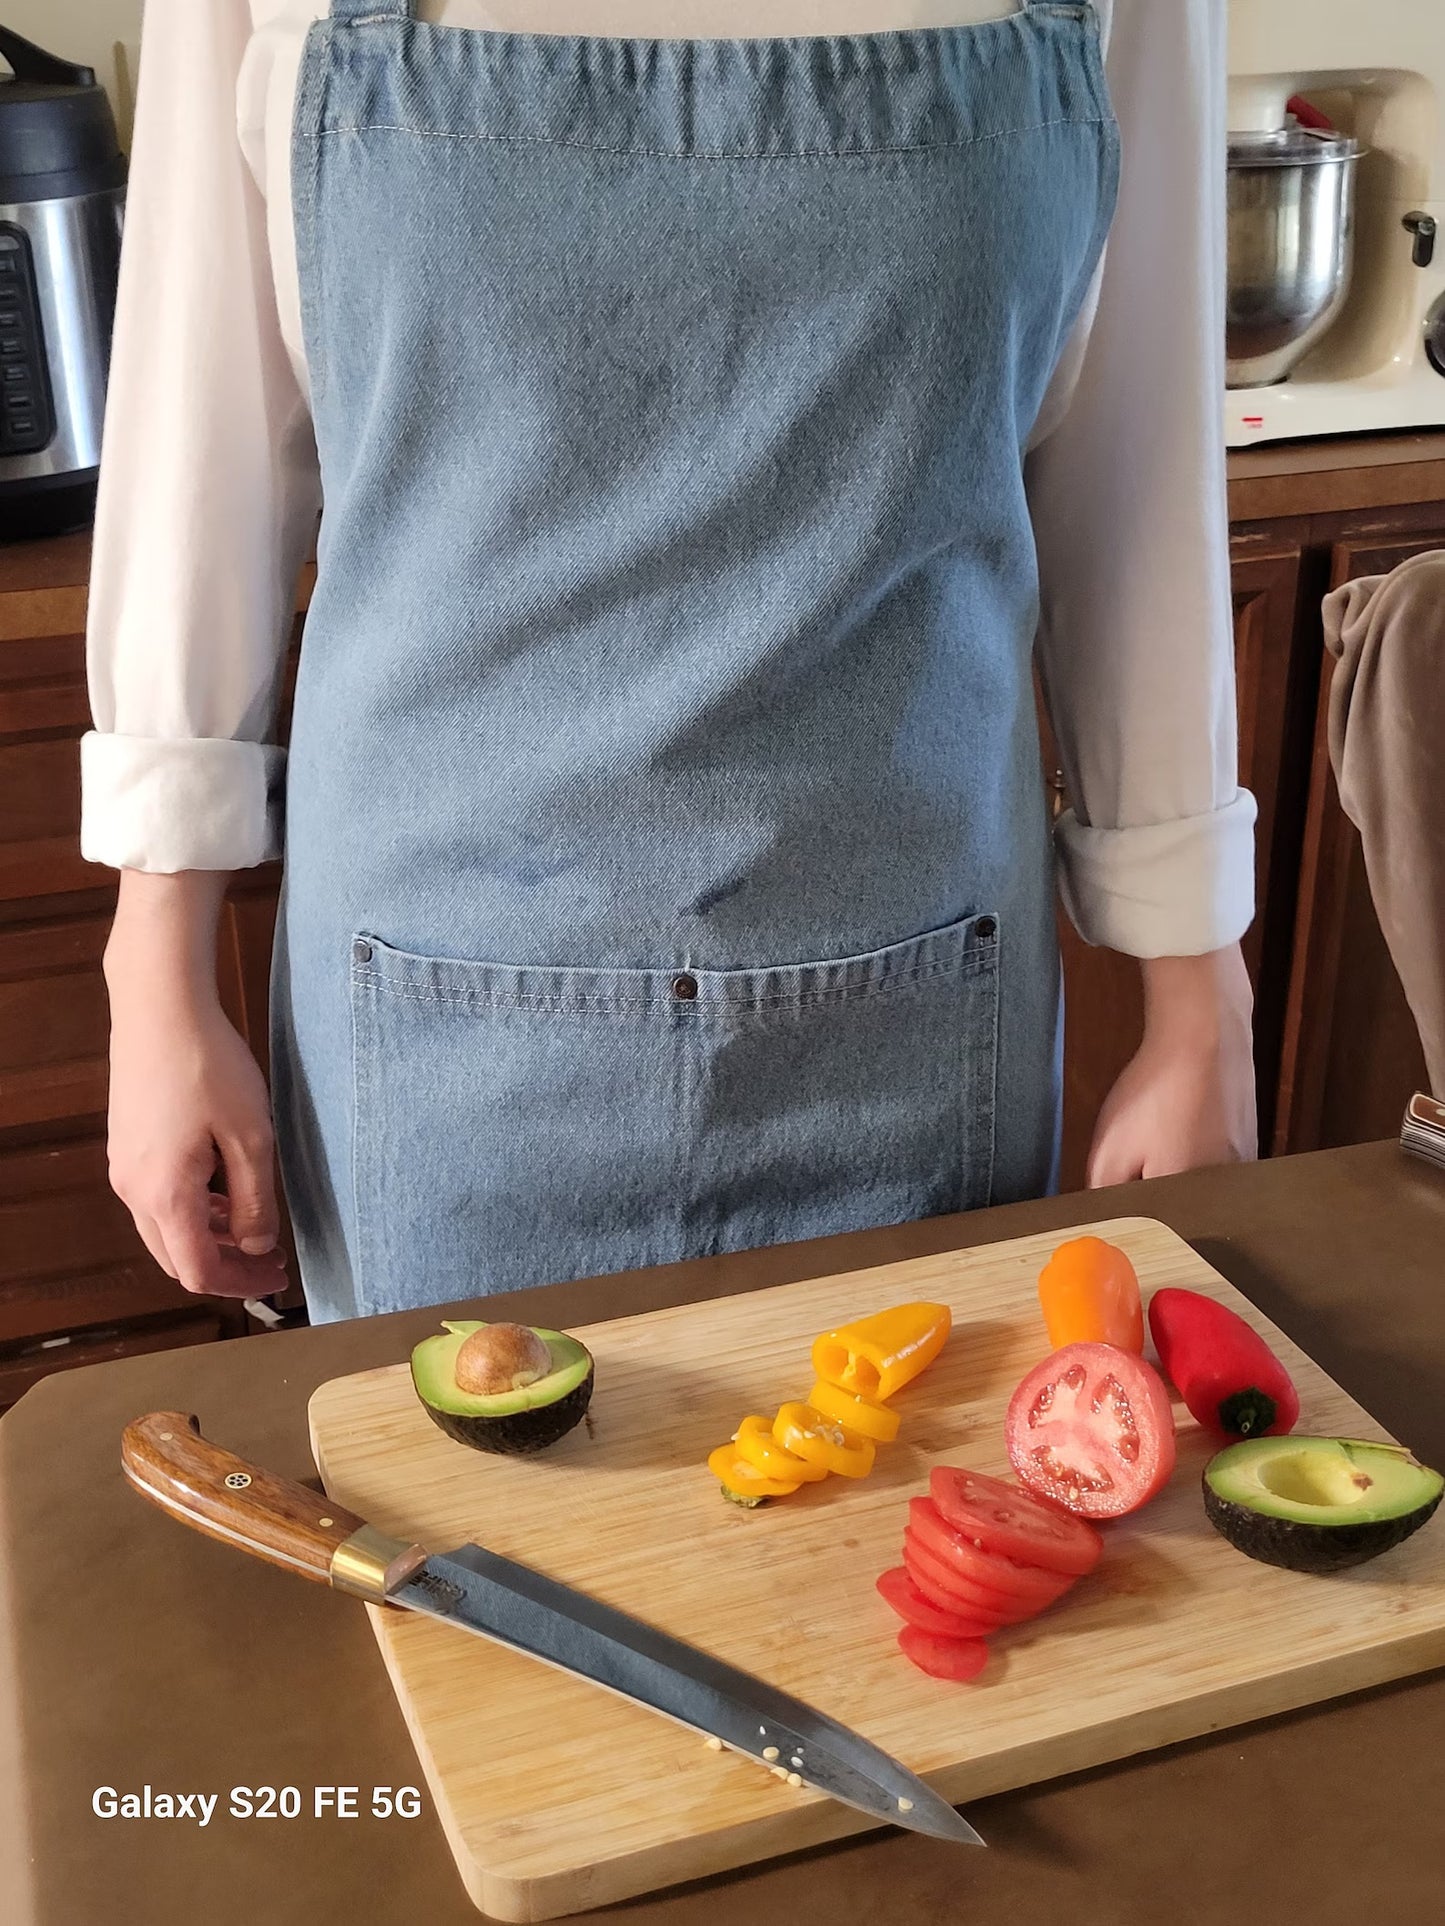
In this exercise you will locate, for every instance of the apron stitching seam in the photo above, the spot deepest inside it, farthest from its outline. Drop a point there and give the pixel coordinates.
(607, 1006)
(707, 154)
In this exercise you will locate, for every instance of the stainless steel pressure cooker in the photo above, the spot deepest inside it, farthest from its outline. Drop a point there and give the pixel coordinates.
(62, 194)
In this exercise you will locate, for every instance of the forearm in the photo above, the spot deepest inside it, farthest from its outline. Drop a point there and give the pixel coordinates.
(1207, 1000)
(163, 940)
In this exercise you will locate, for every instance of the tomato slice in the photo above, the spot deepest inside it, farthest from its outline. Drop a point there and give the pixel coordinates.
(900, 1592)
(1010, 1582)
(951, 1593)
(1007, 1519)
(1091, 1429)
(957, 1659)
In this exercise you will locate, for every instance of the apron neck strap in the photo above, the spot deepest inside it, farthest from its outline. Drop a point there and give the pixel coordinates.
(351, 13)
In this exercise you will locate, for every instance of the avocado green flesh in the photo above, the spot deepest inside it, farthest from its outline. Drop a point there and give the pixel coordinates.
(434, 1371)
(1318, 1504)
(511, 1422)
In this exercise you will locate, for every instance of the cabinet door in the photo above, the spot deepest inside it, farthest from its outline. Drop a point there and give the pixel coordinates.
(1103, 1001)
(1351, 1054)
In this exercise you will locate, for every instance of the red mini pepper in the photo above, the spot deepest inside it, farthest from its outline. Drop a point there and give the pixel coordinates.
(1224, 1371)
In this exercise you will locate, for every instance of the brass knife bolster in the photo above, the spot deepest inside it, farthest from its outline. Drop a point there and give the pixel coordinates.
(373, 1566)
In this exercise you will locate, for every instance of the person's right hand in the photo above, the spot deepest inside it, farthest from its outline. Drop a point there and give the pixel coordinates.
(187, 1098)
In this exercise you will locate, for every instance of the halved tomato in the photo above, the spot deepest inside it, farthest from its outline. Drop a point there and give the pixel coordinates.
(954, 1594)
(1009, 1582)
(1091, 1429)
(958, 1659)
(1006, 1519)
(900, 1592)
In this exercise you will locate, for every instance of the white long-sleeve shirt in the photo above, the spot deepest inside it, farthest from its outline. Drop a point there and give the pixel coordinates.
(209, 491)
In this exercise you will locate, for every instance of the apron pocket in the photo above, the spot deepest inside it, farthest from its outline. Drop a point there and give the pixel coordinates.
(520, 1124)
(512, 1125)
(843, 1094)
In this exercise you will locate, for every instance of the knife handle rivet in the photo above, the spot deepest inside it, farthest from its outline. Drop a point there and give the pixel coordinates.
(770, 1752)
(714, 1744)
(167, 1436)
(237, 1480)
(794, 1779)
(905, 1805)
(324, 1523)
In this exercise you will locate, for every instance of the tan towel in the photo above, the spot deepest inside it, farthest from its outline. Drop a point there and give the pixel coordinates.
(1387, 745)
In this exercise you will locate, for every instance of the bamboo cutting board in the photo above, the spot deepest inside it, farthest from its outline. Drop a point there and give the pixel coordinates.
(557, 1797)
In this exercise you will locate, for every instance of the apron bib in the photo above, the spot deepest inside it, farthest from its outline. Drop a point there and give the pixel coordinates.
(667, 865)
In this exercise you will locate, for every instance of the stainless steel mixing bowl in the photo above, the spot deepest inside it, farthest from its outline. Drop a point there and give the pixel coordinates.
(1291, 230)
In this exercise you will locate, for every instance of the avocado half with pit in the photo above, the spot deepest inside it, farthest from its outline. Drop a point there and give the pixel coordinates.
(503, 1387)
(1318, 1504)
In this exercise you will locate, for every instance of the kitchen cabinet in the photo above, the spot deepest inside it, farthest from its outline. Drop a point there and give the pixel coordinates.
(1336, 1053)
(76, 1282)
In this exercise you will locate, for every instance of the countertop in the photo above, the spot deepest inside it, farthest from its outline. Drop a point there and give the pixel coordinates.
(135, 1653)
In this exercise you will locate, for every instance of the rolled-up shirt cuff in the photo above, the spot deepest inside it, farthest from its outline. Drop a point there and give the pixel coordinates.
(1177, 888)
(198, 803)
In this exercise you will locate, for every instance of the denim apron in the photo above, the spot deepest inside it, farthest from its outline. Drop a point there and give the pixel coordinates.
(667, 864)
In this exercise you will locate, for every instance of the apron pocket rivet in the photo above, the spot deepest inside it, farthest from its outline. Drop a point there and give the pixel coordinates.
(361, 952)
(684, 987)
(986, 929)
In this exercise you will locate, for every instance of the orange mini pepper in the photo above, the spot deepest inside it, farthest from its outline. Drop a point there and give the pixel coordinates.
(1090, 1295)
(881, 1354)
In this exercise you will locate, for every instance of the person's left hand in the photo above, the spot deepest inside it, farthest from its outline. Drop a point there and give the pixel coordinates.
(1186, 1098)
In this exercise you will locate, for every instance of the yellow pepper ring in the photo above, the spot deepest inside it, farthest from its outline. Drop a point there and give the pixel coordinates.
(858, 1414)
(738, 1475)
(758, 1447)
(823, 1441)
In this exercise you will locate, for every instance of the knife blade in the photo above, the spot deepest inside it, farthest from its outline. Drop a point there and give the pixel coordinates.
(167, 1460)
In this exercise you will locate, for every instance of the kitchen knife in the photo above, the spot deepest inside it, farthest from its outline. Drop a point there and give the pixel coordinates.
(168, 1461)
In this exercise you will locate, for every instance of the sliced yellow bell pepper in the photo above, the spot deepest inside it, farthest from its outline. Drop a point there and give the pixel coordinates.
(758, 1447)
(743, 1481)
(862, 1415)
(823, 1441)
(881, 1354)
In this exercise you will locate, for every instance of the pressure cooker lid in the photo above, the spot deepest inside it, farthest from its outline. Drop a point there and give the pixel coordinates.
(1291, 146)
(57, 132)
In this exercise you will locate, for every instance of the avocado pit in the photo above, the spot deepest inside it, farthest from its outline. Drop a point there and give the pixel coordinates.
(503, 1387)
(497, 1358)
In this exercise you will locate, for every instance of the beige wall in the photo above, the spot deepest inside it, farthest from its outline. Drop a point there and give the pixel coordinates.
(95, 31)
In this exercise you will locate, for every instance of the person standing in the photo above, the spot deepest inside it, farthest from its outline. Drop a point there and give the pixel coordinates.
(707, 429)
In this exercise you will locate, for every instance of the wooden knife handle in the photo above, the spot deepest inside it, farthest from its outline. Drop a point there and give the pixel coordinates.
(168, 1461)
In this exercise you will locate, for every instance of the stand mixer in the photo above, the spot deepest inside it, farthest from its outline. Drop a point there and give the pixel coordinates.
(1336, 218)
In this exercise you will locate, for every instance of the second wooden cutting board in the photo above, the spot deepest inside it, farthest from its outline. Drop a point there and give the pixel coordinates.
(557, 1797)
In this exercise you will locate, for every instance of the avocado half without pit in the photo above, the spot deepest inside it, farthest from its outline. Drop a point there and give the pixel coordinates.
(503, 1387)
(1318, 1504)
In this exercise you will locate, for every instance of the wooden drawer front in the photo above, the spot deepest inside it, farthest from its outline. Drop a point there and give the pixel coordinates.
(69, 1253)
(27, 1365)
(42, 686)
(53, 1006)
(54, 1018)
(44, 710)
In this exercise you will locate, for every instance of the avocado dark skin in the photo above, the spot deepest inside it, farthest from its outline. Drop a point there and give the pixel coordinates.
(526, 1431)
(1310, 1548)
